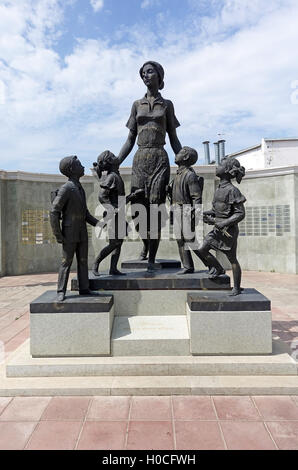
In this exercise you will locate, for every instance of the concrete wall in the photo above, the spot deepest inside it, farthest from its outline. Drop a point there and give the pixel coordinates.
(268, 191)
(22, 192)
(251, 158)
(271, 153)
(2, 223)
(280, 152)
(276, 251)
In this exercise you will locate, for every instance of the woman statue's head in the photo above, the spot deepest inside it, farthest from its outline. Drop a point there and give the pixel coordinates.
(152, 69)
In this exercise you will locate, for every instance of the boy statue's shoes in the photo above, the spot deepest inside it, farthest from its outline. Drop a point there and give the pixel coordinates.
(236, 291)
(216, 274)
(143, 256)
(95, 272)
(115, 272)
(186, 271)
(87, 292)
(152, 267)
(60, 296)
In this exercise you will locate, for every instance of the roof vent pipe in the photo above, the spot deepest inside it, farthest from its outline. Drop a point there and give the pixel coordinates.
(222, 150)
(207, 152)
(216, 152)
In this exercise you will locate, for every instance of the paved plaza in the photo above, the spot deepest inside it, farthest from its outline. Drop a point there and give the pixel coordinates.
(141, 422)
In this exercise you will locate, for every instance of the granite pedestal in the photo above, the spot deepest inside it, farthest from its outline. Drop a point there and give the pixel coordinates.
(163, 292)
(223, 325)
(79, 326)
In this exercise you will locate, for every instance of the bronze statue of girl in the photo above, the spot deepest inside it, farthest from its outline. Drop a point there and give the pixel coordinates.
(227, 211)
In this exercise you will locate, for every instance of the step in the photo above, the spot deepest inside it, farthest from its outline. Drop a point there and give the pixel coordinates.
(150, 336)
(21, 364)
(163, 279)
(147, 385)
(159, 263)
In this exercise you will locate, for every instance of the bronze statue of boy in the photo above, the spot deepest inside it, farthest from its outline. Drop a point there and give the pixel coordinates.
(186, 197)
(70, 206)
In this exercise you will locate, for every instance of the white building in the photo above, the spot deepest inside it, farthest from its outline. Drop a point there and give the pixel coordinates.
(270, 153)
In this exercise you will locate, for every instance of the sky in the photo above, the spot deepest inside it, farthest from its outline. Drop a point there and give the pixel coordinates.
(69, 73)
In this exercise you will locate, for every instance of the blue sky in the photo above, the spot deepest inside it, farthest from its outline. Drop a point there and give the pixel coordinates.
(69, 73)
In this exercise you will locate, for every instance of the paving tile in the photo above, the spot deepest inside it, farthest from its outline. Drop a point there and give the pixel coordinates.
(151, 408)
(66, 408)
(200, 435)
(109, 408)
(25, 409)
(150, 435)
(285, 434)
(103, 435)
(246, 436)
(4, 402)
(277, 407)
(55, 435)
(14, 328)
(14, 436)
(234, 408)
(193, 408)
(17, 340)
(295, 399)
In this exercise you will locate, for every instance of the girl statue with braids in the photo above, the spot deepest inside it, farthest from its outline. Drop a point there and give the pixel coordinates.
(227, 211)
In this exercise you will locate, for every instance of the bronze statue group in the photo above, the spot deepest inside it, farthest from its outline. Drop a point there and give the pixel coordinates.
(151, 118)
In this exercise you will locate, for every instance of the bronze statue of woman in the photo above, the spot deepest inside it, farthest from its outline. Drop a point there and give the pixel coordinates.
(150, 119)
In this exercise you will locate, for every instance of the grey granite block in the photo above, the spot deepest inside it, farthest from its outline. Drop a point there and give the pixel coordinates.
(233, 332)
(79, 326)
(47, 303)
(249, 300)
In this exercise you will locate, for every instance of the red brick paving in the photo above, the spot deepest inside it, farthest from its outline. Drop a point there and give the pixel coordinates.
(109, 408)
(239, 408)
(178, 422)
(148, 435)
(151, 408)
(25, 409)
(66, 408)
(102, 435)
(203, 435)
(285, 434)
(193, 423)
(54, 435)
(14, 435)
(250, 435)
(193, 408)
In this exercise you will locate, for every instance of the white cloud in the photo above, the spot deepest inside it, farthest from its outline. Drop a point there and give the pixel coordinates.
(2, 92)
(97, 5)
(149, 3)
(238, 84)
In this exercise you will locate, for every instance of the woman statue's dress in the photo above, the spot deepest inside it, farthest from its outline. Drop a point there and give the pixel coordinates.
(151, 167)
